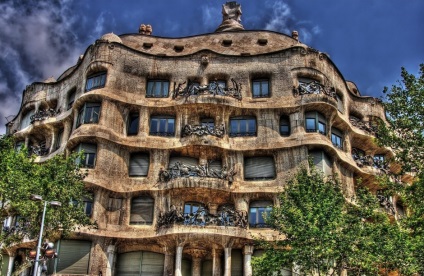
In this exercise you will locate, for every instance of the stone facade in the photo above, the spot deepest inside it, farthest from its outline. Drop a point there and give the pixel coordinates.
(201, 133)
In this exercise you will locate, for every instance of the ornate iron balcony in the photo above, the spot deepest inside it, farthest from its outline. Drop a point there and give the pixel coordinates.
(201, 130)
(43, 114)
(213, 88)
(226, 217)
(314, 87)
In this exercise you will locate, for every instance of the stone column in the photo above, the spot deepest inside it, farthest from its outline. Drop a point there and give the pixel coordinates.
(168, 265)
(178, 260)
(196, 266)
(10, 264)
(111, 252)
(227, 257)
(247, 265)
(216, 262)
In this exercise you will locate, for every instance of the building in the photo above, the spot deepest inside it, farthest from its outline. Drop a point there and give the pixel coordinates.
(188, 141)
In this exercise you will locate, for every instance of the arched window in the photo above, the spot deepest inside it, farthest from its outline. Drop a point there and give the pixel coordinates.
(257, 211)
(142, 210)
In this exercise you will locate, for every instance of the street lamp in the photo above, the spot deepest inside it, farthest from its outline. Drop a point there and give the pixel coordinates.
(53, 203)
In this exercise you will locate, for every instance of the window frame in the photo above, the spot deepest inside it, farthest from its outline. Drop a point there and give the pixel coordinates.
(285, 119)
(150, 203)
(261, 93)
(239, 120)
(259, 221)
(82, 113)
(92, 79)
(59, 139)
(259, 160)
(133, 117)
(146, 156)
(337, 137)
(71, 98)
(167, 132)
(151, 88)
(207, 122)
(87, 155)
(319, 121)
(192, 204)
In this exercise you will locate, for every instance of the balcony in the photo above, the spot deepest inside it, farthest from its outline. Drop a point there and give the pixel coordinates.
(41, 115)
(213, 88)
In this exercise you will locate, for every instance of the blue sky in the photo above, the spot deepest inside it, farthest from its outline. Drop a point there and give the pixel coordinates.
(368, 40)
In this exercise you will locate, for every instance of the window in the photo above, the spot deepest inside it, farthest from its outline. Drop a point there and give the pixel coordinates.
(89, 155)
(340, 106)
(88, 205)
(259, 168)
(142, 210)
(284, 126)
(208, 122)
(19, 145)
(321, 162)
(59, 138)
(162, 126)
(379, 161)
(260, 88)
(257, 211)
(157, 88)
(192, 207)
(133, 122)
(95, 81)
(71, 98)
(242, 126)
(337, 137)
(26, 119)
(315, 122)
(89, 114)
(139, 164)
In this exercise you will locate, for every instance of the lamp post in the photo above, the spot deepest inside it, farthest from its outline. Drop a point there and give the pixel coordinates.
(54, 204)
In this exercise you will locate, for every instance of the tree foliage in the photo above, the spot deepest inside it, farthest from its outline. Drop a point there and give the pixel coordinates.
(58, 178)
(404, 104)
(324, 233)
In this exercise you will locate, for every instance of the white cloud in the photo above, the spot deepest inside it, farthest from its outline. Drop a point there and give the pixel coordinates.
(278, 21)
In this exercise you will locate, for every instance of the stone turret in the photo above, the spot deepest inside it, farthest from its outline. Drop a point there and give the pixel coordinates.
(231, 13)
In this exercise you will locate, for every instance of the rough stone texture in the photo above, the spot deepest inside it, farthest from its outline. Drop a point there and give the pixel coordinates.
(238, 55)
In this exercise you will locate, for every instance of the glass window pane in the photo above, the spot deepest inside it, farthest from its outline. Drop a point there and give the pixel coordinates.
(234, 126)
(310, 124)
(322, 128)
(256, 89)
(150, 85)
(252, 126)
(265, 88)
(154, 125)
(133, 124)
(252, 216)
(243, 126)
(165, 88)
(162, 125)
(171, 124)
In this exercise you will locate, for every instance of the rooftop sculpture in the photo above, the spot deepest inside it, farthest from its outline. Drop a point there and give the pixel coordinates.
(231, 13)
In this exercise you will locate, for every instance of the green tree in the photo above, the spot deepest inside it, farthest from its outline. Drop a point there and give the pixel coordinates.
(324, 233)
(404, 134)
(58, 178)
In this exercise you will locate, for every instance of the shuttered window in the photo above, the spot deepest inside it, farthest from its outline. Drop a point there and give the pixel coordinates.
(215, 165)
(259, 168)
(4, 264)
(94, 81)
(89, 157)
(236, 262)
(322, 162)
(73, 257)
(140, 263)
(142, 210)
(186, 267)
(139, 164)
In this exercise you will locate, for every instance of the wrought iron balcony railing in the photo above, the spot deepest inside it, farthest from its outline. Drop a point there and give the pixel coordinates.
(213, 88)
